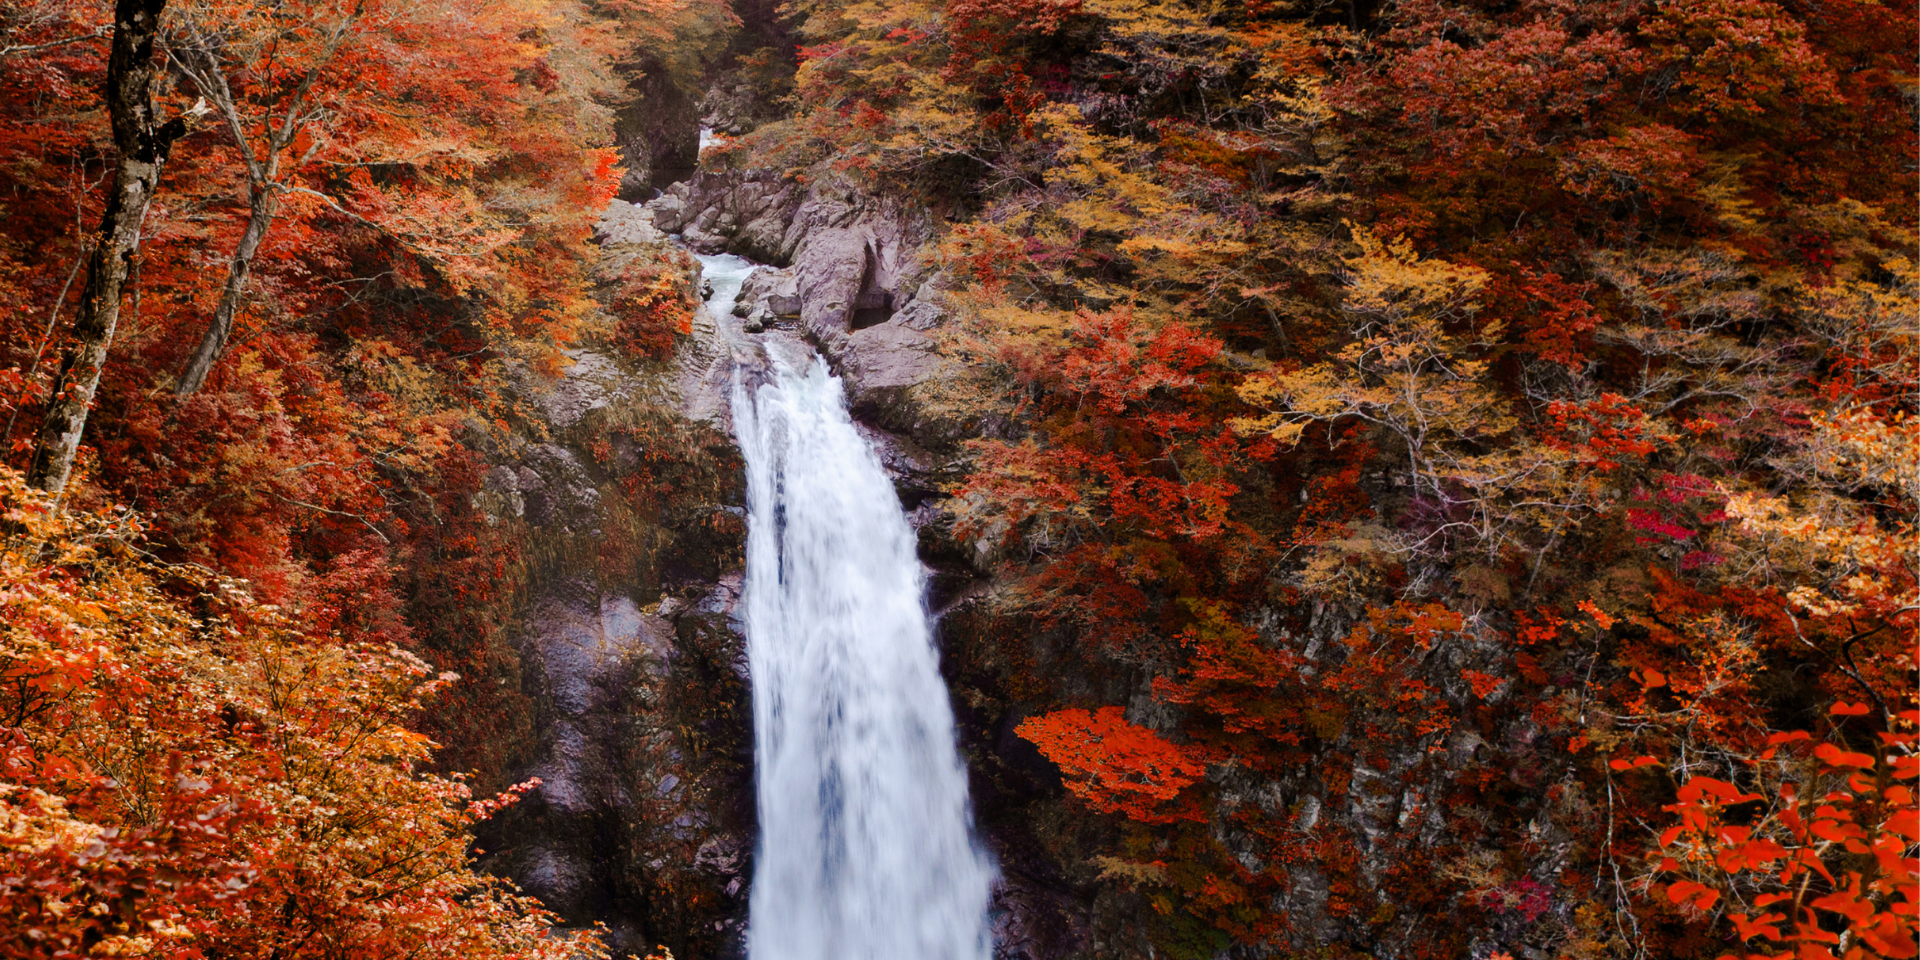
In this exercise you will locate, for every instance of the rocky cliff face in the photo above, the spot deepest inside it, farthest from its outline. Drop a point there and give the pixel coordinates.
(628, 651)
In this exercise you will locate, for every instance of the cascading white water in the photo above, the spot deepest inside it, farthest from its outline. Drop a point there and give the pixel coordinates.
(726, 274)
(865, 850)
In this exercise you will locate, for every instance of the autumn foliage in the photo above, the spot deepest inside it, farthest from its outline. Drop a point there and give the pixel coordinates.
(1116, 766)
(1448, 467)
(189, 772)
(1479, 435)
(221, 632)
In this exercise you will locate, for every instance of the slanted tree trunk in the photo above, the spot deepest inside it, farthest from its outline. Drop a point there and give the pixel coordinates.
(142, 143)
(213, 343)
(201, 62)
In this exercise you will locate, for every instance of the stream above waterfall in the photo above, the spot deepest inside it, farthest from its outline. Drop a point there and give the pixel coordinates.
(723, 274)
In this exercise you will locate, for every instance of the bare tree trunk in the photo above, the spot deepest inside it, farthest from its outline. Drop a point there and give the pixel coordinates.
(214, 343)
(201, 63)
(143, 144)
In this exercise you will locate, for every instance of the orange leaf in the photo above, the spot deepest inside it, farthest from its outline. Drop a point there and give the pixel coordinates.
(1842, 758)
(1767, 926)
(1905, 823)
(1605, 622)
(1698, 895)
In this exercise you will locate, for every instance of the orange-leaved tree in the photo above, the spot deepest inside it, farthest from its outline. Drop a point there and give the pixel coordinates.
(1116, 766)
(185, 773)
(1805, 841)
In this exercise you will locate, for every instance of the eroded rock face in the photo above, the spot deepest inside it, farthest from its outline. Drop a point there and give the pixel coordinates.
(642, 820)
(591, 381)
(625, 823)
(592, 650)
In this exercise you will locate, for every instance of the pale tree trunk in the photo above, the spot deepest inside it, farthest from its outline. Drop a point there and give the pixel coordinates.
(142, 143)
(214, 343)
(263, 179)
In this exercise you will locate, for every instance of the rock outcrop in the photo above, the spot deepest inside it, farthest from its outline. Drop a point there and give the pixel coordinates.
(627, 646)
(845, 269)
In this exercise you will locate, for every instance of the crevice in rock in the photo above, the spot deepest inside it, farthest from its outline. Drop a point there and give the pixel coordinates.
(873, 304)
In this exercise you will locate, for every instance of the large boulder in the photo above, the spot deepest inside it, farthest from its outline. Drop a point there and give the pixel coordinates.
(671, 210)
(625, 222)
(590, 381)
(880, 363)
(774, 290)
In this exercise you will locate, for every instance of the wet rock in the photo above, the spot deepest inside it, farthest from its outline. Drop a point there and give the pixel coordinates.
(917, 474)
(774, 290)
(638, 711)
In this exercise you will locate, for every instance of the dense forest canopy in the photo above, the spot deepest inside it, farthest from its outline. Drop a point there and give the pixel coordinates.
(1555, 360)
(1444, 472)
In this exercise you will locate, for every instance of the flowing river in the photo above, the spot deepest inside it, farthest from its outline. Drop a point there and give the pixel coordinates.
(865, 848)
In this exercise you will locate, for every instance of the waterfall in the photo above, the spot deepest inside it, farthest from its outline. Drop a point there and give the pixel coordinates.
(865, 850)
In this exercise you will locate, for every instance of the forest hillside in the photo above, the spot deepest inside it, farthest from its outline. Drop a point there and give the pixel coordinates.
(1396, 478)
